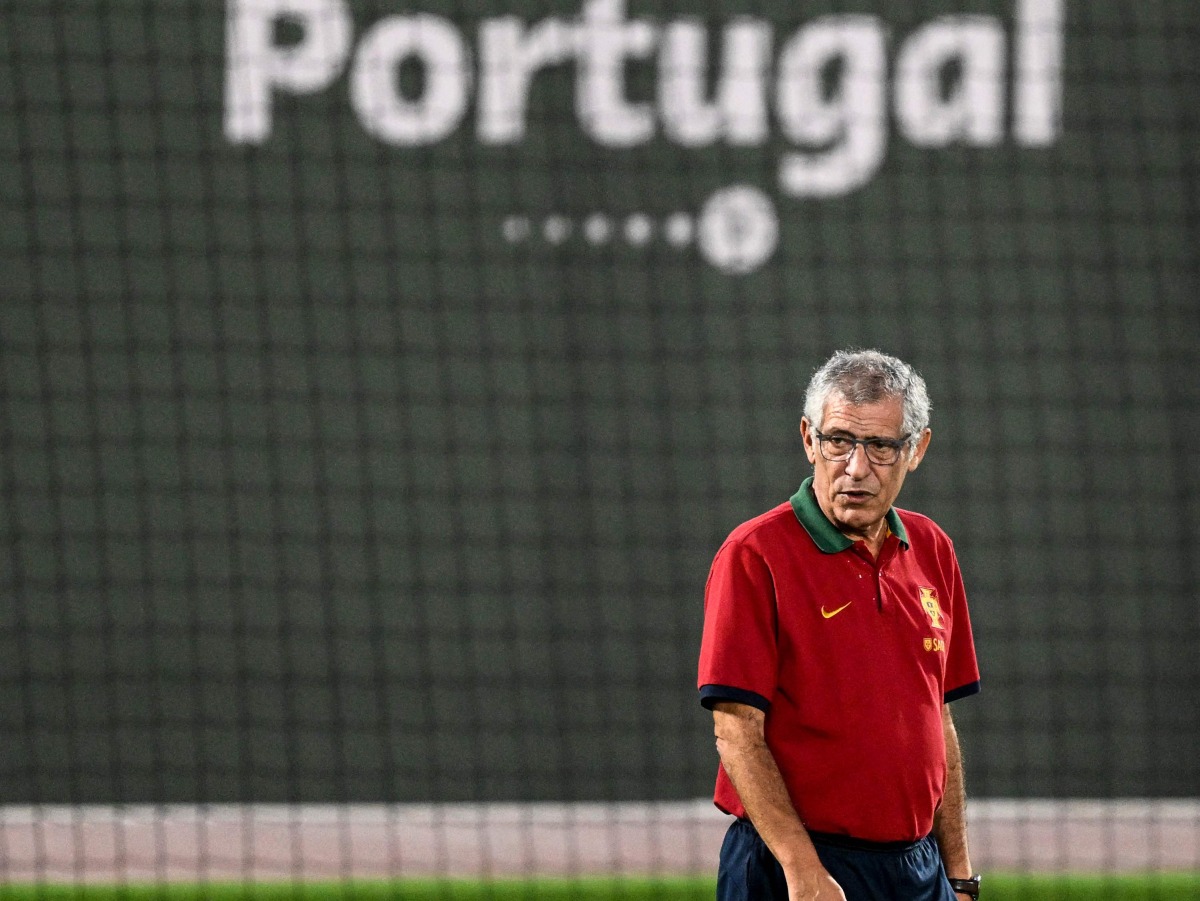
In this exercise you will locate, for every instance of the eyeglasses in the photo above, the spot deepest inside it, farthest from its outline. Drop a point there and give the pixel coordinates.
(881, 451)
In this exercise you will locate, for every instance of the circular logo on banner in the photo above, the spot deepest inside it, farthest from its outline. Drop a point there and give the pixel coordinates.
(739, 229)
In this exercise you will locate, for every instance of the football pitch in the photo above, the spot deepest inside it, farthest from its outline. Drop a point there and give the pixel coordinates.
(999, 887)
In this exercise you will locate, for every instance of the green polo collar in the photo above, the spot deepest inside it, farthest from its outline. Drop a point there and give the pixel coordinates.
(825, 534)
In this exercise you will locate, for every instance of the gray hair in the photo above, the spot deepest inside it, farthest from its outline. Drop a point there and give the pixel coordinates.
(867, 377)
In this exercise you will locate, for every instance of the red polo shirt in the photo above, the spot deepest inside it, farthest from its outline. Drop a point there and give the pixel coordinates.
(850, 657)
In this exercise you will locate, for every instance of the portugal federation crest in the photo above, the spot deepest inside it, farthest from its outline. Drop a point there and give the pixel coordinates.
(929, 603)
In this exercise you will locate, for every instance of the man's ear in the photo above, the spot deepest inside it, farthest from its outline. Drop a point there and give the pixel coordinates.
(807, 433)
(919, 450)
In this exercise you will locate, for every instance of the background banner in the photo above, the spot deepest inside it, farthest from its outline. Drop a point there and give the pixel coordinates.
(380, 378)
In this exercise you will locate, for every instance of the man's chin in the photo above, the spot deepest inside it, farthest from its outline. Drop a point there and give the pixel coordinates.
(856, 517)
(860, 506)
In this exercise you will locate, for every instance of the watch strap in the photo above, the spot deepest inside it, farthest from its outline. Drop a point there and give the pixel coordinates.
(966, 886)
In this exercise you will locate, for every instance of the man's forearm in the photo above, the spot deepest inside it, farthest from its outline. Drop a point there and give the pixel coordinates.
(756, 776)
(759, 784)
(950, 822)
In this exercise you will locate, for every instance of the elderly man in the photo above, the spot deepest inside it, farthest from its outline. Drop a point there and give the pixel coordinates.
(836, 635)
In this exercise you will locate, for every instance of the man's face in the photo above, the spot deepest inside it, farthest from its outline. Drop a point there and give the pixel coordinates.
(855, 494)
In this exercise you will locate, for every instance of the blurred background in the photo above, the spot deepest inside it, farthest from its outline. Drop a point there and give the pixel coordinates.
(379, 379)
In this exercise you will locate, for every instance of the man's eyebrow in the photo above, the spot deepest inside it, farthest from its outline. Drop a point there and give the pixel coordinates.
(848, 434)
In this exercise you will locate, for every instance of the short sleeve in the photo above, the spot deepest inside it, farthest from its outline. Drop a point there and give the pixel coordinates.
(962, 668)
(738, 651)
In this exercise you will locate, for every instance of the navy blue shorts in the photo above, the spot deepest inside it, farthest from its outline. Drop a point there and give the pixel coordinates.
(865, 871)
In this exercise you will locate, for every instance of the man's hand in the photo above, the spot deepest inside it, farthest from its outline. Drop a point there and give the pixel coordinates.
(815, 885)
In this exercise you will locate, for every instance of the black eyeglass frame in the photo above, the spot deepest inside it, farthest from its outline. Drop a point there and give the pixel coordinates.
(892, 445)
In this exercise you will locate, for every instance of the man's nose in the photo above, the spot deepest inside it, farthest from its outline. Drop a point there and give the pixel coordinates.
(857, 464)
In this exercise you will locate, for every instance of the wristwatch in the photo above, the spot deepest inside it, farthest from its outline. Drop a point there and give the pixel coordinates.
(966, 886)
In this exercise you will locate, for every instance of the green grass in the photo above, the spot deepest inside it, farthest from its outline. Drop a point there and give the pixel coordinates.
(1151, 887)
